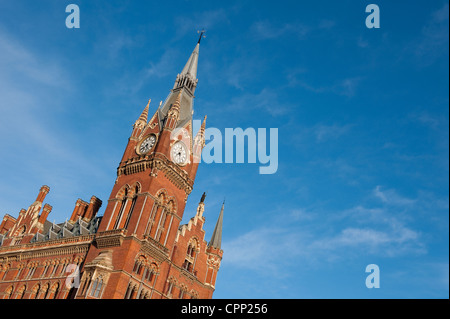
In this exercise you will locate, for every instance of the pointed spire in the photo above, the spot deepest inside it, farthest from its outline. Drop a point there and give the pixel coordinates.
(202, 200)
(174, 113)
(201, 132)
(175, 108)
(144, 115)
(177, 104)
(202, 128)
(216, 238)
(199, 142)
(191, 66)
(186, 81)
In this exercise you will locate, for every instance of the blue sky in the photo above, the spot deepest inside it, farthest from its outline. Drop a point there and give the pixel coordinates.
(362, 118)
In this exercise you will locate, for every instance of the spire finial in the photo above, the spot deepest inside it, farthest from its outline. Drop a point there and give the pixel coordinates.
(144, 114)
(202, 127)
(174, 111)
(190, 68)
(202, 200)
(202, 32)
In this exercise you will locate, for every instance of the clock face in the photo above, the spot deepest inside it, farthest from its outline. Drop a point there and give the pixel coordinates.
(179, 153)
(147, 144)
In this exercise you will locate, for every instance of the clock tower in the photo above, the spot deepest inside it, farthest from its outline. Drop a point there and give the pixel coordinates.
(142, 218)
(158, 166)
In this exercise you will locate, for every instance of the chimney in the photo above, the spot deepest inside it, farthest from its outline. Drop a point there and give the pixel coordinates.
(47, 209)
(79, 210)
(42, 193)
(92, 209)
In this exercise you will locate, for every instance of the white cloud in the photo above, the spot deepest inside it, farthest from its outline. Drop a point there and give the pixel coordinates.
(389, 241)
(164, 66)
(34, 90)
(433, 40)
(390, 197)
(345, 87)
(426, 118)
(19, 64)
(325, 132)
(265, 30)
(317, 238)
(263, 250)
(354, 237)
(21, 107)
(199, 20)
(272, 249)
(266, 100)
(301, 214)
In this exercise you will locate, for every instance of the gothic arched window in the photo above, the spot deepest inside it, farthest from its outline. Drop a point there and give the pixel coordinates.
(97, 286)
(191, 256)
(133, 203)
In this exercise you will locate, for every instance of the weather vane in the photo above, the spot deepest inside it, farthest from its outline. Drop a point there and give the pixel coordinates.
(201, 35)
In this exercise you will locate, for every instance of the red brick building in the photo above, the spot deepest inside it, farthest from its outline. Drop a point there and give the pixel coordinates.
(137, 249)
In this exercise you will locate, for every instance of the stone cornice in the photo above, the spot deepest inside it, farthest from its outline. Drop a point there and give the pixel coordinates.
(110, 238)
(63, 246)
(172, 171)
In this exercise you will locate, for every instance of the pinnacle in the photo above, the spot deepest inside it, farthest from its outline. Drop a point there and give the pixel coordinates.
(176, 105)
(144, 115)
(216, 238)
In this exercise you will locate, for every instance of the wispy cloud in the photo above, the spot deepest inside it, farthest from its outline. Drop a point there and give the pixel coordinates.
(164, 66)
(263, 250)
(34, 90)
(390, 197)
(333, 131)
(130, 83)
(426, 118)
(266, 30)
(390, 240)
(367, 238)
(266, 100)
(433, 41)
(345, 87)
(365, 229)
(199, 20)
(18, 63)
(301, 214)
(240, 72)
